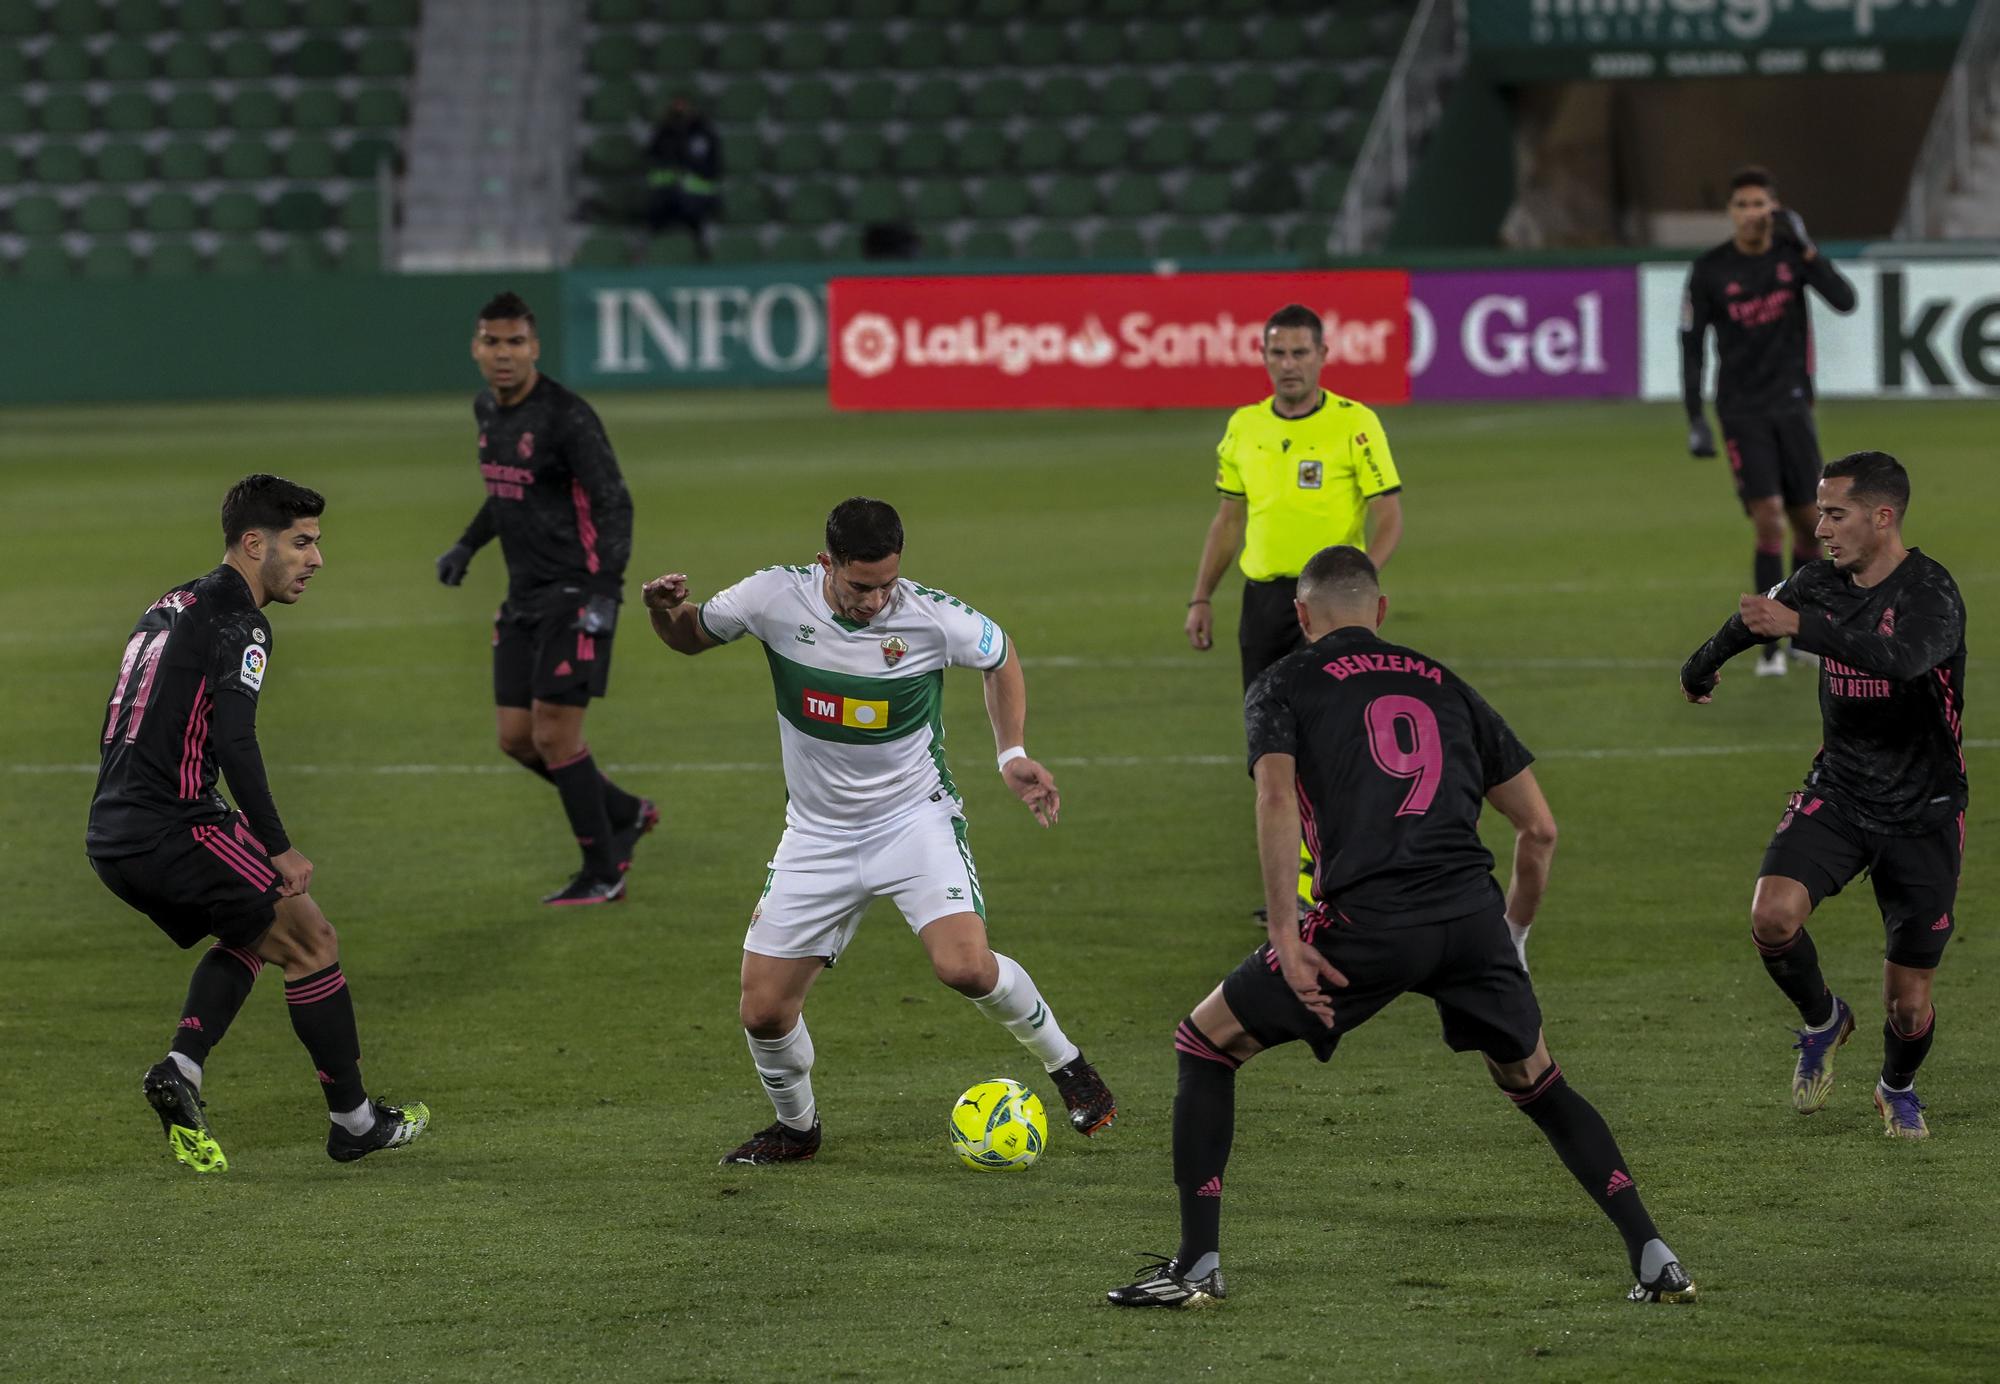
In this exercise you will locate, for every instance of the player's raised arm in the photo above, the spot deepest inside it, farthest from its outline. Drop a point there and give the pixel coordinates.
(1520, 800)
(1703, 668)
(1007, 709)
(676, 619)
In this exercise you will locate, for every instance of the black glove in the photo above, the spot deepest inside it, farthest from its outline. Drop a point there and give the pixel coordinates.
(452, 566)
(599, 615)
(1701, 442)
(1789, 229)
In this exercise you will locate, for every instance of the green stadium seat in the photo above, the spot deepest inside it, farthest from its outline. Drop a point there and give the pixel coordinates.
(866, 48)
(248, 60)
(1343, 40)
(875, 11)
(139, 18)
(310, 158)
(264, 14)
(1271, 189)
(193, 110)
(1124, 94)
(126, 60)
(389, 14)
(1250, 237)
(1063, 9)
(812, 204)
(319, 58)
(741, 50)
(128, 112)
(237, 258)
(1052, 243)
(60, 162)
(379, 108)
(1181, 240)
(325, 14)
(999, 98)
(938, 11)
(933, 98)
(173, 259)
(16, 118)
(1002, 199)
(44, 259)
(1348, 139)
(810, 11)
(187, 60)
(1279, 38)
(1187, 92)
(810, 100)
(10, 166)
(1102, 147)
(938, 199)
(1120, 9)
(1068, 197)
(66, 60)
(67, 113)
(1329, 186)
(1301, 141)
(923, 46)
(20, 18)
(301, 209)
(1204, 194)
(1000, 11)
(183, 161)
(384, 55)
(1167, 146)
(1307, 239)
(981, 149)
(743, 99)
(235, 213)
(860, 152)
(246, 160)
(74, 18)
(1132, 194)
(1233, 142)
(1320, 90)
(1154, 43)
(171, 213)
(986, 243)
(1252, 91)
(257, 109)
(923, 150)
(109, 259)
(365, 155)
(803, 49)
(1215, 41)
(615, 101)
(121, 161)
(746, 204)
(1097, 46)
(1117, 240)
(1063, 96)
(1041, 45)
(675, 247)
(612, 155)
(602, 250)
(614, 55)
(679, 53)
(795, 246)
(797, 152)
(38, 214)
(871, 99)
(316, 108)
(302, 254)
(736, 246)
(1041, 149)
(362, 254)
(877, 199)
(15, 69)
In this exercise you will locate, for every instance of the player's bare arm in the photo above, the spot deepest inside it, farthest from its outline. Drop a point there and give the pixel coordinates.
(1224, 541)
(1385, 528)
(675, 618)
(1007, 709)
(1306, 971)
(1521, 802)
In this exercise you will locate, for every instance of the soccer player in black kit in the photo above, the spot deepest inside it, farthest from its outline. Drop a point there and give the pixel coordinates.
(1886, 793)
(556, 501)
(164, 841)
(1751, 289)
(1388, 757)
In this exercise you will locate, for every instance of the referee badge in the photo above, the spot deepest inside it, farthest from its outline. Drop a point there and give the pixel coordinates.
(893, 649)
(1310, 475)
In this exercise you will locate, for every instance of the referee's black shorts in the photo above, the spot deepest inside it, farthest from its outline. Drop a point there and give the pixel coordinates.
(1269, 628)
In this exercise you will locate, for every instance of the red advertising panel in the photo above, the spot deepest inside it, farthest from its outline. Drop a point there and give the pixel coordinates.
(1103, 340)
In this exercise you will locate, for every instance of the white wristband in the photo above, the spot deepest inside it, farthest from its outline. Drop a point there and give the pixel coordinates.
(1008, 756)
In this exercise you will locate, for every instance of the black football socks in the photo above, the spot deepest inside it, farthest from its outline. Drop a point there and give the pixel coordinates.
(221, 982)
(322, 1012)
(1903, 1053)
(1584, 1143)
(1794, 965)
(1768, 569)
(1204, 1128)
(583, 799)
(620, 807)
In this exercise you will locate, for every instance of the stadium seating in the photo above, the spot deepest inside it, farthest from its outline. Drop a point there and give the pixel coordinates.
(997, 128)
(183, 136)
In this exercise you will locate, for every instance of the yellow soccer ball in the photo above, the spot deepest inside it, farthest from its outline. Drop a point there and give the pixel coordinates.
(998, 1126)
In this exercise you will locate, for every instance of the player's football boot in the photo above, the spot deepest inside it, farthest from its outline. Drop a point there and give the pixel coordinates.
(1812, 1079)
(1091, 1105)
(623, 843)
(1902, 1113)
(777, 1142)
(179, 1106)
(1771, 663)
(1671, 1284)
(1166, 1286)
(587, 889)
(395, 1126)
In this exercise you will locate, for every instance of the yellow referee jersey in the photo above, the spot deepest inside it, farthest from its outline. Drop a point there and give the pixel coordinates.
(1307, 480)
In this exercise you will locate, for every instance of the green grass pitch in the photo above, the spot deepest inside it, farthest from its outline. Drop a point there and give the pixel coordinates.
(1389, 1216)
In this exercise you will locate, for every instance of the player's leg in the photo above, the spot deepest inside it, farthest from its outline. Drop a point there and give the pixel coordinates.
(1799, 472)
(631, 817)
(1752, 447)
(558, 737)
(1812, 855)
(1916, 885)
(302, 944)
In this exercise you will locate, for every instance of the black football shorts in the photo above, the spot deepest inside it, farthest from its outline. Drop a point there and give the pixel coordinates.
(1269, 628)
(546, 658)
(205, 881)
(1915, 877)
(1773, 454)
(1467, 966)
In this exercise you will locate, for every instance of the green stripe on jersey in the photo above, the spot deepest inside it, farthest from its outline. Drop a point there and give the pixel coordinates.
(849, 709)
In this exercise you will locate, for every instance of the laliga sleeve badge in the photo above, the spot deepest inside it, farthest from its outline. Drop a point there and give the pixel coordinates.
(252, 673)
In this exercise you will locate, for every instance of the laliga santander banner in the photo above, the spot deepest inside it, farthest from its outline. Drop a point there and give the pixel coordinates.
(1103, 340)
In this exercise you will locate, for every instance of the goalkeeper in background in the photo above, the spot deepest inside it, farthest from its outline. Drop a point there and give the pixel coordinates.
(1751, 290)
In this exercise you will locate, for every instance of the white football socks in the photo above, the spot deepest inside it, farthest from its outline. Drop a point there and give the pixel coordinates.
(1653, 1258)
(1017, 1006)
(359, 1120)
(785, 1065)
(190, 1068)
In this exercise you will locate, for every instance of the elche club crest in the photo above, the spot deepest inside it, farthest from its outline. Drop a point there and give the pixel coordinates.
(893, 649)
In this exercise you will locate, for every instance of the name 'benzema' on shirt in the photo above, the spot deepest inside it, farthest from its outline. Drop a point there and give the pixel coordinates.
(860, 707)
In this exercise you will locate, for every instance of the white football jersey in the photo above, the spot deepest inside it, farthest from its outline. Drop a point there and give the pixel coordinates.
(860, 707)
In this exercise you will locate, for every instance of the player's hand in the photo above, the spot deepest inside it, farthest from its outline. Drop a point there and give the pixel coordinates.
(665, 593)
(1201, 625)
(1310, 975)
(1789, 228)
(1701, 698)
(1035, 786)
(1701, 442)
(295, 873)
(598, 616)
(1766, 618)
(453, 565)
(1519, 932)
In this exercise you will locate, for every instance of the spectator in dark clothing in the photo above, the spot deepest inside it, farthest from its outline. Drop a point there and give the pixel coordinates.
(684, 180)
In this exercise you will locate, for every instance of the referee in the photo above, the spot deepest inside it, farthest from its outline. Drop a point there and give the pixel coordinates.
(1300, 471)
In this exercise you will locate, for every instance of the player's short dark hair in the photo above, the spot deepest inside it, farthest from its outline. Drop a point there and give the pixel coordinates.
(1875, 477)
(1296, 315)
(1339, 573)
(508, 307)
(863, 530)
(264, 501)
(1752, 175)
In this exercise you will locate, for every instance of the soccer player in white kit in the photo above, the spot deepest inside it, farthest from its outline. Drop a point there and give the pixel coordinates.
(857, 655)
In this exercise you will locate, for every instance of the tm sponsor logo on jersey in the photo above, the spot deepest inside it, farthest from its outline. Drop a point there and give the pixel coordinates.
(837, 710)
(1348, 665)
(872, 344)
